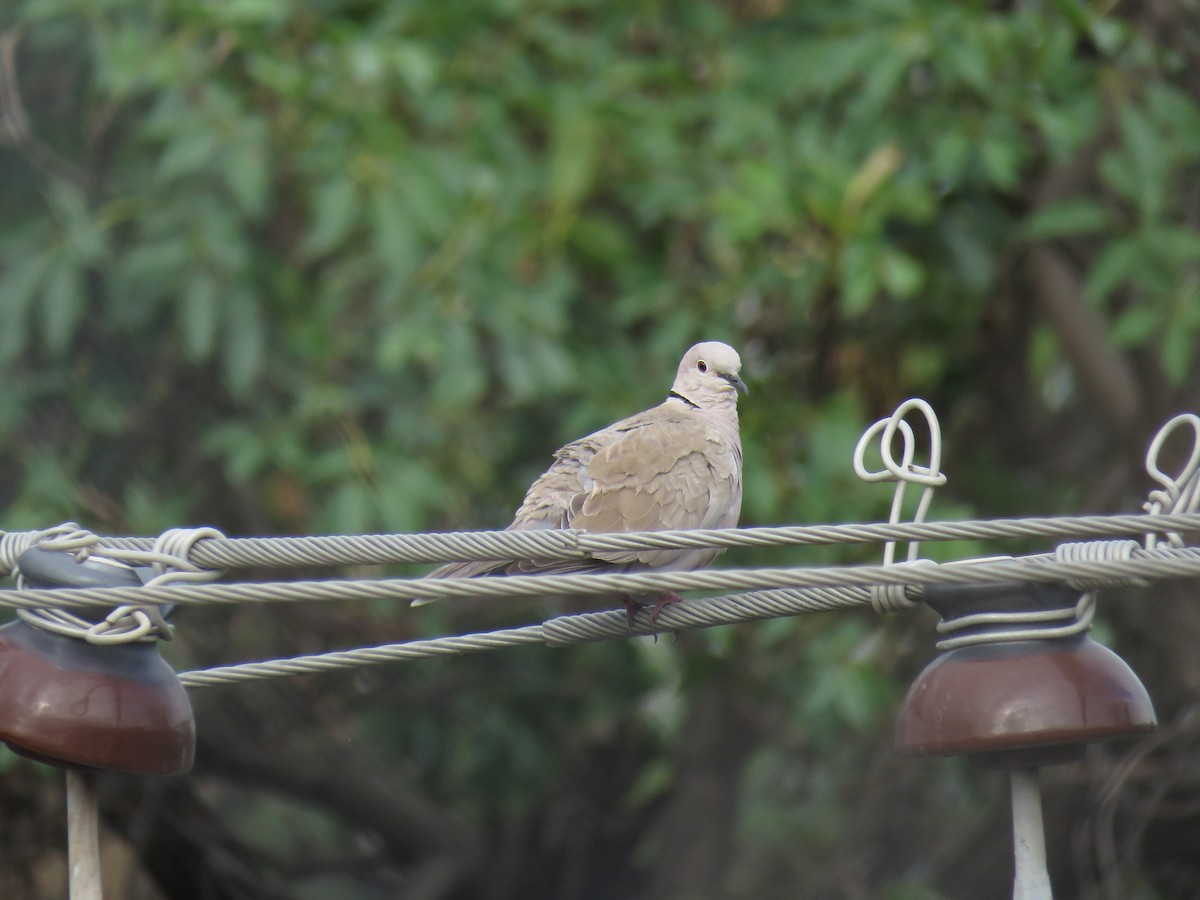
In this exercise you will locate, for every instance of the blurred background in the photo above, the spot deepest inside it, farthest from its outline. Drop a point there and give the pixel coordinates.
(343, 266)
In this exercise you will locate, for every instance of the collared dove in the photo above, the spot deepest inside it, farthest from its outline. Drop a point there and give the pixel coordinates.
(675, 466)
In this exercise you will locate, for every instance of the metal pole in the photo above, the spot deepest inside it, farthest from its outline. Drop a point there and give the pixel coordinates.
(83, 836)
(1031, 881)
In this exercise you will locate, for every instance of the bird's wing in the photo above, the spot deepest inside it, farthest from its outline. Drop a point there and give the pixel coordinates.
(660, 470)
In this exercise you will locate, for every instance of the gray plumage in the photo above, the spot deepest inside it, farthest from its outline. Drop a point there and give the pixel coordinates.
(677, 465)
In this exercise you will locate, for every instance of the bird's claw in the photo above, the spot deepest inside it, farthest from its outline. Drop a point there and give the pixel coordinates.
(665, 599)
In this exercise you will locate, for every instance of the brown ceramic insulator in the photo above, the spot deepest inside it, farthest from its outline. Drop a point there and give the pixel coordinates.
(68, 702)
(1029, 702)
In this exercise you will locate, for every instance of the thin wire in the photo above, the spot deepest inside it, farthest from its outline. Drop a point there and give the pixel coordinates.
(561, 631)
(457, 645)
(1162, 562)
(320, 551)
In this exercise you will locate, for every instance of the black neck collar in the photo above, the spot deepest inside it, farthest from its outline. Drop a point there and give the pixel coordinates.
(679, 396)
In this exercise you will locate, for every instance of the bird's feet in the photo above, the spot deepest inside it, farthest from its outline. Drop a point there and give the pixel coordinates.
(664, 600)
(632, 606)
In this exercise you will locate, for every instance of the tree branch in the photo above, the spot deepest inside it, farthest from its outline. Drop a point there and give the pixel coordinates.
(1105, 375)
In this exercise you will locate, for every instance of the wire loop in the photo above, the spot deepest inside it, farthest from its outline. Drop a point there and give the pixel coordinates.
(1004, 627)
(1178, 493)
(67, 537)
(886, 598)
(169, 560)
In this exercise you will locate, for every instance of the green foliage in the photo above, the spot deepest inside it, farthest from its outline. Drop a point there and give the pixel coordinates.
(475, 747)
(433, 216)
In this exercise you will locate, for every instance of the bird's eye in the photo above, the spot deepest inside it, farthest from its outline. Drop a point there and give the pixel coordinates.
(702, 366)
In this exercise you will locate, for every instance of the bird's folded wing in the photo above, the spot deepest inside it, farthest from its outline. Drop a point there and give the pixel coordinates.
(680, 475)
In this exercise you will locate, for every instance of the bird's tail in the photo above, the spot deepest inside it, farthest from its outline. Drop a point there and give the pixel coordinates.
(472, 569)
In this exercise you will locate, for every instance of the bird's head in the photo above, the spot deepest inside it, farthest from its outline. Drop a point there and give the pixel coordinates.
(708, 375)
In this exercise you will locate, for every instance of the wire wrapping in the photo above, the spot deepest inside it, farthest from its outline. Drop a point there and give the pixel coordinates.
(128, 622)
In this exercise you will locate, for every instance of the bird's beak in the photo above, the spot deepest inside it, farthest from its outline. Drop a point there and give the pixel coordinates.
(737, 383)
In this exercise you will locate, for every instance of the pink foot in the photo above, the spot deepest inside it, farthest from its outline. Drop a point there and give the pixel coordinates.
(632, 606)
(664, 600)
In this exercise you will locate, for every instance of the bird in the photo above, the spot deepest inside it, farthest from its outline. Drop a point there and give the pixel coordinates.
(677, 465)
